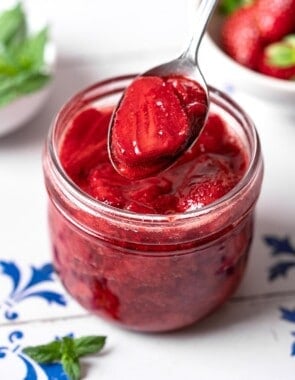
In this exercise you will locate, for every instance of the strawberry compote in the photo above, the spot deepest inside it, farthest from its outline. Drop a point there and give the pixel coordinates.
(158, 253)
(157, 120)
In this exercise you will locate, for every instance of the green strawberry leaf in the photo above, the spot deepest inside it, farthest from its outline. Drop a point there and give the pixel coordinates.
(229, 6)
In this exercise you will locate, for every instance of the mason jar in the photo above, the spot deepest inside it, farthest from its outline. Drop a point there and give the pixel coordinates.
(150, 272)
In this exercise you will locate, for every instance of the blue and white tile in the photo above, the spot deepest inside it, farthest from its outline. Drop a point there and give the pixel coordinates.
(30, 292)
(243, 340)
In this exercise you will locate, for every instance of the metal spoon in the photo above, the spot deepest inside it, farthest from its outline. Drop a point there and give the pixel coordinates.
(184, 66)
(187, 64)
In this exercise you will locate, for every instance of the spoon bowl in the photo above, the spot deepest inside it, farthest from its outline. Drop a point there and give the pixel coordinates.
(182, 66)
(162, 113)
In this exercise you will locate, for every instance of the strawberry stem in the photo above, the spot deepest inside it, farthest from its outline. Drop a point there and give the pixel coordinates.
(229, 6)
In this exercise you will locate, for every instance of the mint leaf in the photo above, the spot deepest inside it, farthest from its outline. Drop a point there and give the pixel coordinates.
(67, 346)
(22, 66)
(33, 82)
(31, 54)
(89, 345)
(71, 366)
(8, 83)
(47, 353)
(12, 25)
(70, 359)
(7, 65)
(67, 351)
(12, 88)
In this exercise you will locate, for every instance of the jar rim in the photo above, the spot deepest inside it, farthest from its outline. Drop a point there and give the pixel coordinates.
(93, 206)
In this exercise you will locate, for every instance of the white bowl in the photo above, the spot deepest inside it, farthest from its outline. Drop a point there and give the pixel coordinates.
(278, 92)
(20, 111)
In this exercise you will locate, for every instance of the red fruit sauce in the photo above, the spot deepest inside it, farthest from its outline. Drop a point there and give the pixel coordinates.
(210, 169)
(156, 121)
(170, 250)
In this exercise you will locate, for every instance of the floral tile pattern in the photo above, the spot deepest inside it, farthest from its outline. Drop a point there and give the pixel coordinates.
(37, 284)
(12, 357)
(282, 250)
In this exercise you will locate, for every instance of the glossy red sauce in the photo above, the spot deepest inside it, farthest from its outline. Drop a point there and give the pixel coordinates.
(210, 169)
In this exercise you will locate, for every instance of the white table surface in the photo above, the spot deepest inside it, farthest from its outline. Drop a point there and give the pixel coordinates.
(248, 338)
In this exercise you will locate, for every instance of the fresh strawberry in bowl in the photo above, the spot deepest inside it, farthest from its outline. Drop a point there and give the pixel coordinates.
(253, 45)
(241, 37)
(275, 18)
(278, 59)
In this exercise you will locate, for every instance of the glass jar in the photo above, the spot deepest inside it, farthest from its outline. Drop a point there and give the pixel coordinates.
(150, 272)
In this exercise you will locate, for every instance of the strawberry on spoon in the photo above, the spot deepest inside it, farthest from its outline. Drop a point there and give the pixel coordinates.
(162, 112)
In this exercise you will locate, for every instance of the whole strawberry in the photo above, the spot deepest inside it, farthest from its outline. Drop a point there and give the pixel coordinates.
(241, 38)
(278, 59)
(275, 18)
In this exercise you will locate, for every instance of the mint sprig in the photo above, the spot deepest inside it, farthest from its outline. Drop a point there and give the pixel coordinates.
(67, 351)
(13, 25)
(70, 358)
(22, 65)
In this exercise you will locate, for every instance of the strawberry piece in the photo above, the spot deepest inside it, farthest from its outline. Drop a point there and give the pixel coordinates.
(205, 193)
(82, 141)
(192, 98)
(241, 38)
(212, 136)
(154, 124)
(286, 73)
(102, 190)
(278, 59)
(147, 191)
(154, 192)
(275, 18)
(97, 296)
(213, 180)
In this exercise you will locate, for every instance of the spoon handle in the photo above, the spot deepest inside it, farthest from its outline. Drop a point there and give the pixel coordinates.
(203, 14)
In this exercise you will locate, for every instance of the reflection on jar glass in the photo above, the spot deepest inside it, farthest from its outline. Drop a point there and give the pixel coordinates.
(150, 272)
